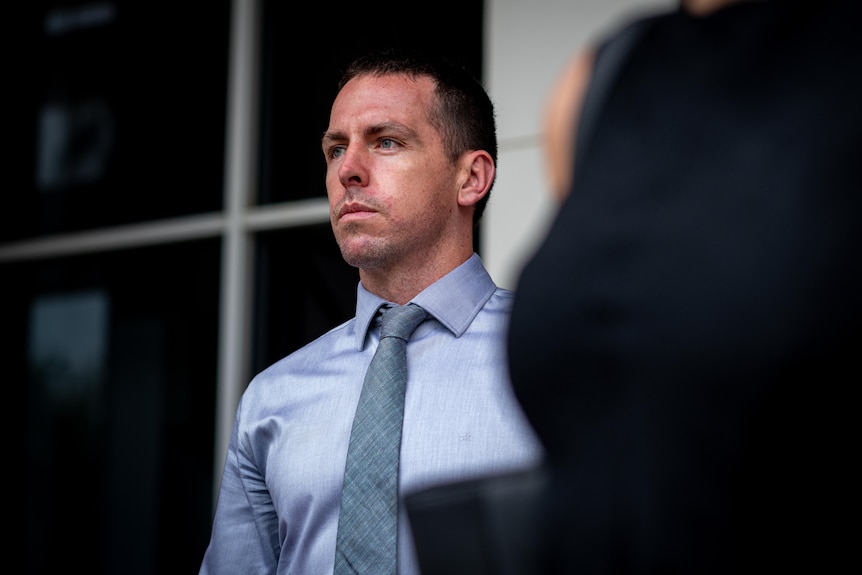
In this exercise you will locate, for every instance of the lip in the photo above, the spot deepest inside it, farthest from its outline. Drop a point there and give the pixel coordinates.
(355, 211)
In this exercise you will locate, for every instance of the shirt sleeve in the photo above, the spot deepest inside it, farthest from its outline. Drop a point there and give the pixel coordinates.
(245, 527)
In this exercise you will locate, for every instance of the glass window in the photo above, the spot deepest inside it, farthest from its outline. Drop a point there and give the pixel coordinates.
(116, 355)
(112, 357)
(122, 116)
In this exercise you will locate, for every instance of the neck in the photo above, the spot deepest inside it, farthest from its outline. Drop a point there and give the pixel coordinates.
(400, 284)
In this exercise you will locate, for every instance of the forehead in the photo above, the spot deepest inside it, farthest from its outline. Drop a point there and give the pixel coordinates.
(375, 99)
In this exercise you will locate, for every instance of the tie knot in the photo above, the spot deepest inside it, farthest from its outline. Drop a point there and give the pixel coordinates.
(401, 321)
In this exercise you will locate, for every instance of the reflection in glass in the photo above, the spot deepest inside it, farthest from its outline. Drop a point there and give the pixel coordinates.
(112, 358)
(75, 144)
(68, 341)
(67, 362)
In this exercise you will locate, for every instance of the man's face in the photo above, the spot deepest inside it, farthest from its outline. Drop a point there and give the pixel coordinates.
(392, 190)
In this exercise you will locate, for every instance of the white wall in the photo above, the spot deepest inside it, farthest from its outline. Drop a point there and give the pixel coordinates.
(527, 44)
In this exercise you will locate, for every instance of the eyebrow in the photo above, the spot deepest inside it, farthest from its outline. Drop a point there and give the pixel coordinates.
(330, 137)
(396, 128)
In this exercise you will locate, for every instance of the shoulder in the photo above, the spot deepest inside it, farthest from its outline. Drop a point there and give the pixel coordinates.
(498, 305)
(335, 342)
(317, 369)
(502, 296)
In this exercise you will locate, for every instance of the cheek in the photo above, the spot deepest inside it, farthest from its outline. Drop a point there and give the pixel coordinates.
(428, 206)
(413, 198)
(334, 189)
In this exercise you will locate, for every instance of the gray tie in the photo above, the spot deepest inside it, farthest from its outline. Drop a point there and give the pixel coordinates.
(367, 542)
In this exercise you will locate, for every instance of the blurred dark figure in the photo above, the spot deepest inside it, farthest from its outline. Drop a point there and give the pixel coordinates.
(686, 341)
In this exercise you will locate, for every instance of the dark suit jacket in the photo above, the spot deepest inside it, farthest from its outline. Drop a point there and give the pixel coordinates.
(686, 340)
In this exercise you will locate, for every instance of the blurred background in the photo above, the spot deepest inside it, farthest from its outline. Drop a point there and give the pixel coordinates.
(164, 235)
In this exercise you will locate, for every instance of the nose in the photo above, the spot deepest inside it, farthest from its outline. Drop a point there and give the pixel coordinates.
(353, 169)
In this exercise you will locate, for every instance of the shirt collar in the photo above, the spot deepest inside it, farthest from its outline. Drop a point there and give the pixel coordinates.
(453, 300)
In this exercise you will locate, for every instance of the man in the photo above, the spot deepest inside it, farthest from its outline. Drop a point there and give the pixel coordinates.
(411, 158)
(686, 339)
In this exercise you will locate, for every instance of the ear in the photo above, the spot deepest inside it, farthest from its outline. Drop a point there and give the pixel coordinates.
(479, 170)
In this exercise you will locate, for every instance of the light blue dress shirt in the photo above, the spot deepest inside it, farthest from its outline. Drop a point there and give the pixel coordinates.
(280, 491)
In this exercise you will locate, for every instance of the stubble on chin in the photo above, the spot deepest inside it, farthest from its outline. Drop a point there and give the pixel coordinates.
(363, 251)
